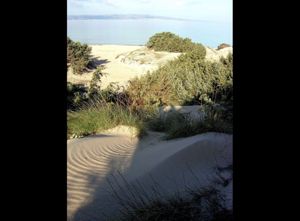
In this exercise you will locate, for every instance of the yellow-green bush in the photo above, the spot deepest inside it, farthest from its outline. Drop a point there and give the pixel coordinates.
(167, 41)
(78, 56)
(186, 80)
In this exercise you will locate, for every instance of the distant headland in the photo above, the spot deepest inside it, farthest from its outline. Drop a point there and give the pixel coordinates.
(124, 16)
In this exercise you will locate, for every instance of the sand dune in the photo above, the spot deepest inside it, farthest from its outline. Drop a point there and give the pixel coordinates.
(95, 159)
(214, 55)
(123, 62)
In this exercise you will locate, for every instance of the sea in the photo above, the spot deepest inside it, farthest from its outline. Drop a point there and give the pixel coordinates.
(138, 31)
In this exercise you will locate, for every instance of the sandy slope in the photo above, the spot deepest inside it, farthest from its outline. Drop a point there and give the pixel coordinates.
(123, 62)
(213, 54)
(94, 160)
(117, 68)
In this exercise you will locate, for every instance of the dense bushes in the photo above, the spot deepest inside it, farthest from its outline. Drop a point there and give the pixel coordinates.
(176, 125)
(167, 41)
(77, 94)
(78, 56)
(186, 80)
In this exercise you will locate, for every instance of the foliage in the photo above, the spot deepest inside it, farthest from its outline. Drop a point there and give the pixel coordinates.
(167, 41)
(78, 56)
(77, 94)
(186, 80)
(98, 116)
(94, 88)
(216, 119)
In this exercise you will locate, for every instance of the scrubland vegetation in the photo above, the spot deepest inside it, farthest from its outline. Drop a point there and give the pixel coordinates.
(78, 56)
(188, 80)
(167, 41)
(183, 125)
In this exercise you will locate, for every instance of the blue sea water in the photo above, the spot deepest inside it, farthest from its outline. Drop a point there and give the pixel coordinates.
(138, 31)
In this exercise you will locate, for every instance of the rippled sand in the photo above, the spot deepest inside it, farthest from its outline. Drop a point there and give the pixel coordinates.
(94, 160)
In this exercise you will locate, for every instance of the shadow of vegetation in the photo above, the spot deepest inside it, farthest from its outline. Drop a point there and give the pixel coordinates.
(119, 188)
(95, 62)
(101, 204)
(104, 201)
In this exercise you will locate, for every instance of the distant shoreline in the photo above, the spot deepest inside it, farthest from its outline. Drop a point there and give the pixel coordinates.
(122, 17)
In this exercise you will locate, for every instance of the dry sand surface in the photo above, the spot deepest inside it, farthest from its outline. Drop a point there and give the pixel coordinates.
(214, 55)
(123, 62)
(95, 160)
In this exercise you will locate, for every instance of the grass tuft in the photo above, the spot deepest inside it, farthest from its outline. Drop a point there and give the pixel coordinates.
(98, 116)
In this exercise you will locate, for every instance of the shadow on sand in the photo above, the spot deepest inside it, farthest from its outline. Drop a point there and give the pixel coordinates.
(130, 182)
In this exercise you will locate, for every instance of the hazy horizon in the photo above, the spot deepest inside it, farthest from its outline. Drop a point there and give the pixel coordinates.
(208, 10)
(133, 21)
(132, 16)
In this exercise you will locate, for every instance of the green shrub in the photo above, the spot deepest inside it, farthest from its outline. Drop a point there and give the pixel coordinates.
(77, 94)
(184, 81)
(94, 87)
(175, 125)
(78, 56)
(167, 41)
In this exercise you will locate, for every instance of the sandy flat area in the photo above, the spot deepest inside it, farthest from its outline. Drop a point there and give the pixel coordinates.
(118, 70)
(123, 62)
(96, 163)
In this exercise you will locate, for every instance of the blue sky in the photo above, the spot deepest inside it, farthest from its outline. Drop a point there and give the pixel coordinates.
(212, 10)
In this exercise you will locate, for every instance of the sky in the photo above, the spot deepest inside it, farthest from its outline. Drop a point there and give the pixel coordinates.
(208, 10)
